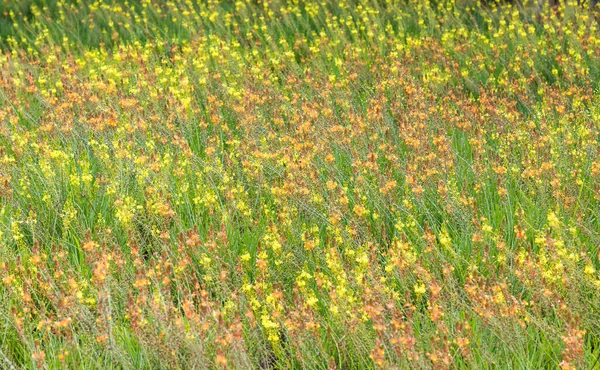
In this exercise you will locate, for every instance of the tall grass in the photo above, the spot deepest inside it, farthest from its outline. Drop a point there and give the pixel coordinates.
(273, 184)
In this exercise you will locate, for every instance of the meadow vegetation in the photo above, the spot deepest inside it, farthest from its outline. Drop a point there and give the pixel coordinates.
(299, 184)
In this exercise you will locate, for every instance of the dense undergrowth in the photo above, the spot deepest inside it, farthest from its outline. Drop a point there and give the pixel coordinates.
(298, 184)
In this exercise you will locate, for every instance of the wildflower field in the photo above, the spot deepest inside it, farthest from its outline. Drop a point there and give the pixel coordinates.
(254, 184)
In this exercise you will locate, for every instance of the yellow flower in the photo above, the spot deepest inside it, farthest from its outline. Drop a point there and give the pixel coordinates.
(553, 220)
(420, 289)
(589, 270)
(311, 301)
